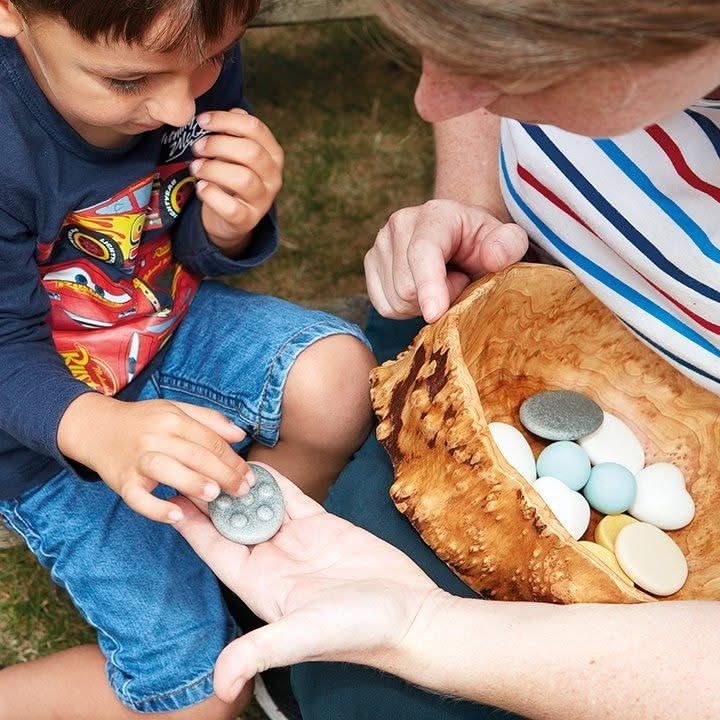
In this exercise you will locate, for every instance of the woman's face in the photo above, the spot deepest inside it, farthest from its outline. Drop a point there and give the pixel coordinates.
(598, 102)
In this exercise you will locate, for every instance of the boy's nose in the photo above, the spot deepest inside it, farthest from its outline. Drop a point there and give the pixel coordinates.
(173, 108)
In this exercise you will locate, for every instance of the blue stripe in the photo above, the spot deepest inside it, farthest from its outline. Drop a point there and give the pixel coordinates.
(603, 276)
(668, 206)
(591, 194)
(674, 357)
(708, 127)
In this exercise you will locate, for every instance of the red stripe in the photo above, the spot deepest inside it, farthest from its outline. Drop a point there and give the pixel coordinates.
(678, 162)
(531, 180)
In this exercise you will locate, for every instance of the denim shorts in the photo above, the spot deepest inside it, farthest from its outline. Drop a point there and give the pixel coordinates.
(158, 610)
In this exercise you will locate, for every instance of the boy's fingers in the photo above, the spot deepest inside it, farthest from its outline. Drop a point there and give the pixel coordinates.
(213, 419)
(166, 470)
(231, 209)
(139, 498)
(240, 123)
(237, 150)
(235, 479)
(238, 180)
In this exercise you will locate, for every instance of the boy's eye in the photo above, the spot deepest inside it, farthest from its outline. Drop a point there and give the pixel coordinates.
(127, 86)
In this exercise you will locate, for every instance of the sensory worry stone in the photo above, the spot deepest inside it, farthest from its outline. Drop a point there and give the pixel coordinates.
(606, 531)
(566, 461)
(253, 518)
(561, 415)
(603, 554)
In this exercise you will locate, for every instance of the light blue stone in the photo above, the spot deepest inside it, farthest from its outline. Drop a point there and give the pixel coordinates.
(566, 461)
(610, 489)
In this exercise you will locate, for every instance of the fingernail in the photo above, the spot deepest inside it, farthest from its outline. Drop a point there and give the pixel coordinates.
(199, 145)
(204, 120)
(501, 254)
(210, 492)
(430, 310)
(236, 688)
(250, 477)
(175, 516)
(195, 165)
(200, 186)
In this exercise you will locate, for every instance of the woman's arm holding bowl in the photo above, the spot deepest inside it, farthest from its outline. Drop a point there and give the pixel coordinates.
(332, 591)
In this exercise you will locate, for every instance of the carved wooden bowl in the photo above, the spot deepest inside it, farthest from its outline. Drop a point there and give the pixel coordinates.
(511, 335)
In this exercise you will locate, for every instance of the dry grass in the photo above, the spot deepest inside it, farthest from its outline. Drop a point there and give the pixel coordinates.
(355, 152)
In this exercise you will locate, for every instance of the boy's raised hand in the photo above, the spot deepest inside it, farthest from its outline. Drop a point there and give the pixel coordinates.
(136, 446)
(239, 170)
(425, 256)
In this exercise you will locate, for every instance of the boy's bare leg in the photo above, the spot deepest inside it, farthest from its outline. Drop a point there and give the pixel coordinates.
(326, 414)
(72, 684)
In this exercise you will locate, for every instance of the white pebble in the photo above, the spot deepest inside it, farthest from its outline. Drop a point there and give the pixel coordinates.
(514, 448)
(662, 498)
(568, 506)
(614, 442)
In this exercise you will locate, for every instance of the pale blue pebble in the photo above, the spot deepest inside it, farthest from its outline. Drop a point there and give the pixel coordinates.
(611, 488)
(566, 461)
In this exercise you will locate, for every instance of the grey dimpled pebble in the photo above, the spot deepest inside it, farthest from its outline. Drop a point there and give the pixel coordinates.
(561, 415)
(252, 518)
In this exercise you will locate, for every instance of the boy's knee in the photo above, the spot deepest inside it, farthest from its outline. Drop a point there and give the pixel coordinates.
(327, 396)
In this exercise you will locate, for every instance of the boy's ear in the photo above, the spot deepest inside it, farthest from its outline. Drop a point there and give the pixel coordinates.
(11, 22)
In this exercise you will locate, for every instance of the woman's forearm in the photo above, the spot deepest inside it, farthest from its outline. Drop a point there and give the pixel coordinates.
(659, 660)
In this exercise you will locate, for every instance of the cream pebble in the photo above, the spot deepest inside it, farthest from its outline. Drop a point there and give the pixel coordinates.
(651, 559)
(614, 442)
(514, 448)
(662, 498)
(569, 507)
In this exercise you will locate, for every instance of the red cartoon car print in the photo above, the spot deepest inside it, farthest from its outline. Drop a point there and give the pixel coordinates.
(110, 231)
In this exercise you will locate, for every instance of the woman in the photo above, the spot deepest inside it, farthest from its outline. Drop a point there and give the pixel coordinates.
(634, 216)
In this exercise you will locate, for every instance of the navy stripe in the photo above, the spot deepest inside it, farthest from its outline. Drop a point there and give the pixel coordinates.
(673, 357)
(708, 127)
(667, 205)
(632, 234)
(601, 275)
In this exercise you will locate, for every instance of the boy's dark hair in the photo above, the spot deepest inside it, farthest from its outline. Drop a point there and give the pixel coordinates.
(192, 23)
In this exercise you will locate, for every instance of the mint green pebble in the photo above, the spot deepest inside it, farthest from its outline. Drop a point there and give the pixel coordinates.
(566, 461)
(611, 488)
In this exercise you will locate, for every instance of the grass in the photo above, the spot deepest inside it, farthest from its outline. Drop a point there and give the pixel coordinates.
(356, 151)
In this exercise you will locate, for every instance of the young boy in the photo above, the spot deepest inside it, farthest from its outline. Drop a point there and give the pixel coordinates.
(108, 115)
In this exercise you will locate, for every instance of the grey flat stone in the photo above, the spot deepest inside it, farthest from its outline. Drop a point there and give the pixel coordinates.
(252, 518)
(561, 415)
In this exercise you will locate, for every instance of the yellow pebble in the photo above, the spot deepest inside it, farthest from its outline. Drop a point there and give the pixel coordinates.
(603, 554)
(608, 528)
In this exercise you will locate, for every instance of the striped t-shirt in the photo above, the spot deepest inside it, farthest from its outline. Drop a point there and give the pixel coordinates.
(637, 219)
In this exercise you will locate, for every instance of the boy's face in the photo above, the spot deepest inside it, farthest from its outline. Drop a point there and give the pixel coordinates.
(597, 102)
(110, 91)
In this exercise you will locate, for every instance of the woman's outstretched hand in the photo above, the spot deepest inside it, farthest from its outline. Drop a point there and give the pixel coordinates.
(329, 591)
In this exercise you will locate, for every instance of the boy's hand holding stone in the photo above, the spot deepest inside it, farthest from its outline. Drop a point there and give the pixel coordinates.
(239, 170)
(136, 446)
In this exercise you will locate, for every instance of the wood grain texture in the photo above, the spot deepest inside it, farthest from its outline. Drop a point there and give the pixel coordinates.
(510, 335)
(290, 12)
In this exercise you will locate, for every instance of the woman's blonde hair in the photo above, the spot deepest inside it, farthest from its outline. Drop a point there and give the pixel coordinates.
(508, 39)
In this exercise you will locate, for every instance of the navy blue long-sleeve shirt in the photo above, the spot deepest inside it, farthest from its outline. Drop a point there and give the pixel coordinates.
(101, 251)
